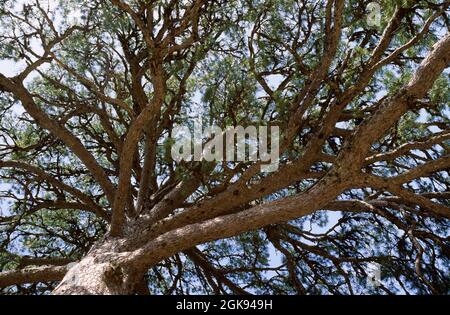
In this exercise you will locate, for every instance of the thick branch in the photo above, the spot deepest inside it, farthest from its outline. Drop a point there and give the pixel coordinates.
(32, 275)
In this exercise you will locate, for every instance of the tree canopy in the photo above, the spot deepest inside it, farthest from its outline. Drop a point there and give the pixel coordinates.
(93, 202)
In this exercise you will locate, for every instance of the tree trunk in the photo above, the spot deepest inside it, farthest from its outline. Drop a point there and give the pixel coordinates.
(99, 273)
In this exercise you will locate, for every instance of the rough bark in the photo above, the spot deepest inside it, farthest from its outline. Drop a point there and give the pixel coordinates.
(99, 274)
